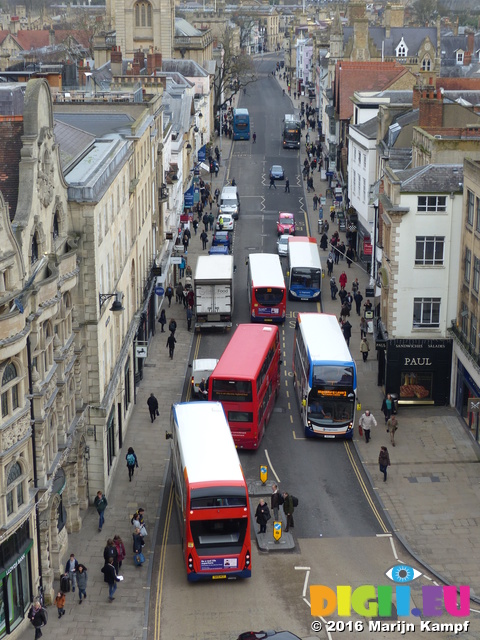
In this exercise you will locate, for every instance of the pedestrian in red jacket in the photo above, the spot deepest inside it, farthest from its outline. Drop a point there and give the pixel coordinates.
(343, 280)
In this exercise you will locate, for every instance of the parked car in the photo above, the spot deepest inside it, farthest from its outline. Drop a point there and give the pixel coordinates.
(276, 172)
(218, 250)
(228, 222)
(221, 238)
(282, 244)
(286, 223)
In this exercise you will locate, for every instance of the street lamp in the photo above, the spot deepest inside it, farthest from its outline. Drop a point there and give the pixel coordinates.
(117, 306)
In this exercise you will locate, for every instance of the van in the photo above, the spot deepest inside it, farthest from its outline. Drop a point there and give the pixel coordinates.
(201, 368)
(230, 202)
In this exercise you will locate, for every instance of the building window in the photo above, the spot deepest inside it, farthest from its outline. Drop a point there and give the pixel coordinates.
(468, 265)
(426, 64)
(364, 160)
(56, 227)
(476, 274)
(464, 316)
(477, 213)
(34, 256)
(402, 50)
(432, 203)
(354, 182)
(10, 383)
(473, 332)
(143, 14)
(426, 312)
(429, 250)
(14, 494)
(460, 54)
(470, 207)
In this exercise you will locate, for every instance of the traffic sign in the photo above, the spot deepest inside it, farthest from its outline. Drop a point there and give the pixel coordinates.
(277, 530)
(159, 291)
(263, 473)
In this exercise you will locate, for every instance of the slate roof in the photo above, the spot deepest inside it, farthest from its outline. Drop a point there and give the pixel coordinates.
(412, 36)
(351, 76)
(188, 68)
(434, 178)
(368, 129)
(97, 124)
(184, 28)
(72, 142)
(450, 44)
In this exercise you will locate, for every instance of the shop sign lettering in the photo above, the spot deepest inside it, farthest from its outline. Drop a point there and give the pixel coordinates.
(15, 564)
(418, 362)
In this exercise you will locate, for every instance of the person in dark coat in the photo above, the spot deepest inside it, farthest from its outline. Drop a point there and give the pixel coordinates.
(172, 326)
(111, 578)
(138, 543)
(153, 407)
(110, 551)
(387, 407)
(189, 318)
(169, 294)
(262, 516)
(347, 331)
(288, 508)
(350, 256)
(100, 503)
(275, 501)
(171, 345)
(384, 461)
(82, 580)
(324, 242)
(204, 239)
(132, 462)
(333, 288)
(38, 618)
(163, 319)
(71, 569)
(358, 301)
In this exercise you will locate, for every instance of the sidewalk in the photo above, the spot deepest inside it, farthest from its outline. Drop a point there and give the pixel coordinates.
(431, 496)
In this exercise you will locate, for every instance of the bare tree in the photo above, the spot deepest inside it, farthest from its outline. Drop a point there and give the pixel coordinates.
(425, 11)
(246, 24)
(234, 71)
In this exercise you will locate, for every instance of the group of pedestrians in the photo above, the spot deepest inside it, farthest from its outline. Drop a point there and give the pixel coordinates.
(277, 500)
(368, 421)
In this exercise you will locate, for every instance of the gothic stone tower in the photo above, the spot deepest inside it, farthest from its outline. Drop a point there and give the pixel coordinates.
(143, 24)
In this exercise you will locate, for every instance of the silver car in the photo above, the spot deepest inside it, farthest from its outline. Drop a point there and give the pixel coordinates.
(282, 244)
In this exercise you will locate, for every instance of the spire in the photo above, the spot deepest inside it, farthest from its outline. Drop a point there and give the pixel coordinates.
(337, 27)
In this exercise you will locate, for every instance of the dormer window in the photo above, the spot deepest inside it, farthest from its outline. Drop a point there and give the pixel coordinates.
(402, 50)
(460, 55)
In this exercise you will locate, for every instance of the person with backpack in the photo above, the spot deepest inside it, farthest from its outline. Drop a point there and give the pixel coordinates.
(38, 617)
(132, 462)
(169, 294)
(172, 326)
(110, 551)
(153, 407)
(288, 508)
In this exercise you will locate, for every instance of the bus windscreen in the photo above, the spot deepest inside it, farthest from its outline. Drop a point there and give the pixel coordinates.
(269, 295)
(233, 390)
(209, 535)
(330, 376)
(306, 277)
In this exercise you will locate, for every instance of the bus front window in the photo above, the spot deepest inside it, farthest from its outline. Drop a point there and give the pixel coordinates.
(326, 411)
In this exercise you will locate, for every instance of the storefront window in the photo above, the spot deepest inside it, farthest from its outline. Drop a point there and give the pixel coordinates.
(416, 386)
(15, 596)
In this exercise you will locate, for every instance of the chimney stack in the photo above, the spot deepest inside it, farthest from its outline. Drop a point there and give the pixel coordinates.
(116, 61)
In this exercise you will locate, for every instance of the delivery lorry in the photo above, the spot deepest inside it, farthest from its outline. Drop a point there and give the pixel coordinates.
(213, 285)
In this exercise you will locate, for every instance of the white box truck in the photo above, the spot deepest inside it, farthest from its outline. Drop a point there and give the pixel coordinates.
(213, 285)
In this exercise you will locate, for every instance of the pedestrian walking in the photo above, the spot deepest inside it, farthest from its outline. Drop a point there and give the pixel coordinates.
(350, 255)
(110, 551)
(262, 516)
(60, 602)
(101, 504)
(332, 214)
(272, 183)
(387, 407)
(367, 421)
(347, 331)
(343, 280)
(315, 201)
(392, 426)
(71, 569)
(205, 221)
(163, 320)
(195, 225)
(172, 326)
(189, 318)
(171, 345)
(179, 293)
(287, 185)
(82, 580)
(138, 544)
(121, 553)
(355, 286)
(254, 137)
(185, 242)
(288, 508)
(276, 500)
(111, 578)
(330, 267)
(169, 294)
(152, 403)
(363, 327)
(364, 348)
(203, 390)
(217, 194)
(326, 226)
(138, 521)
(204, 239)
(38, 617)
(333, 287)
(210, 221)
(357, 296)
(384, 461)
(132, 462)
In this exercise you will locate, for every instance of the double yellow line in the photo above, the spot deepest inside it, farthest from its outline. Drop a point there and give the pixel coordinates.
(161, 567)
(364, 487)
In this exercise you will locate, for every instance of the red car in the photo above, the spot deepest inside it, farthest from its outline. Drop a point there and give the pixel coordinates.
(286, 223)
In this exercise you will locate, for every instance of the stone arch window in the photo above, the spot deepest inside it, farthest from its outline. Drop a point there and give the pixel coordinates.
(426, 64)
(55, 226)
(34, 248)
(15, 493)
(10, 390)
(49, 336)
(402, 50)
(143, 14)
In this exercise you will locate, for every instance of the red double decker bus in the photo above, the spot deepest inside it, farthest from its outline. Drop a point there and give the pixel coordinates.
(246, 381)
(211, 494)
(267, 293)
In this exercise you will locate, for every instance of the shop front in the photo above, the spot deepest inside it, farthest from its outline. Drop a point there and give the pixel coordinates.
(15, 579)
(419, 371)
(466, 389)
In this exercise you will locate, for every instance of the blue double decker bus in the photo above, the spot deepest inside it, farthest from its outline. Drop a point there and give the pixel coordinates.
(241, 124)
